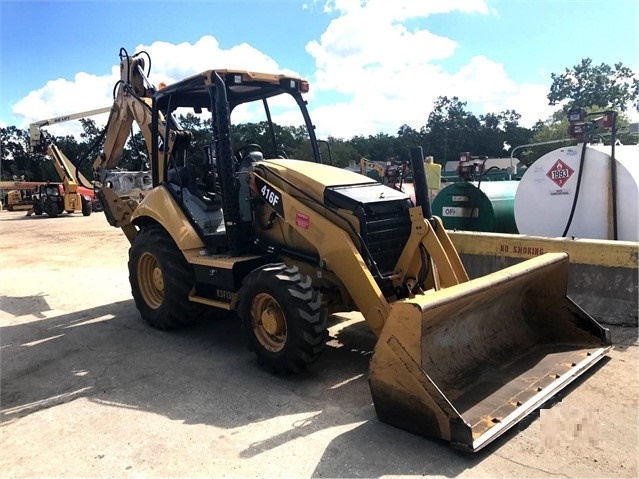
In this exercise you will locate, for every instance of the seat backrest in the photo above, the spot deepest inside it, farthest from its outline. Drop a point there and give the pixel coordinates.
(178, 176)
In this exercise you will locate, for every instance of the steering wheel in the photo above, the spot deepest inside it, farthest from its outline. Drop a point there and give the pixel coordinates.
(242, 150)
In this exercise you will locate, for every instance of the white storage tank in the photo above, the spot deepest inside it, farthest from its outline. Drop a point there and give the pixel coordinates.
(546, 192)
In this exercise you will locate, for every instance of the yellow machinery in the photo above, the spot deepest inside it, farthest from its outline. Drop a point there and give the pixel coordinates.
(284, 242)
(18, 200)
(50, 199)
(77, 191)
(392, 174)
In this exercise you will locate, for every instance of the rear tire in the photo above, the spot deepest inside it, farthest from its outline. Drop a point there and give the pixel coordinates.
(281, 312)
(37, 208)
(161, 280)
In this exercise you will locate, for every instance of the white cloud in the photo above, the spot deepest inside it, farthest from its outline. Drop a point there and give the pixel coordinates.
(383, 73)
(61, 97)
(86, 91)
(388, 75)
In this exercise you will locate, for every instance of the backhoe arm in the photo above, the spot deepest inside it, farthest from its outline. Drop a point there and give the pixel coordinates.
(133, 103)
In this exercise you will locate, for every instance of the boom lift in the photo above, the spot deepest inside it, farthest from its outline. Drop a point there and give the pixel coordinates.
(283, 242)
(77, 191)
(49, 199)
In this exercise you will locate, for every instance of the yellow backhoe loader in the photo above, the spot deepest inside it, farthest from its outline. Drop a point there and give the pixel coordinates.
(18, 200)
(284, 242)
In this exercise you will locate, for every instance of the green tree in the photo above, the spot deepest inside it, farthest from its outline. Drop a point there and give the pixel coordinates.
(408, 138)
(595, 86)
(16, 158)
(450, 129)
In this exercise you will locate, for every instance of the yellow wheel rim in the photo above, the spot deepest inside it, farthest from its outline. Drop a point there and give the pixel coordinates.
(269, 322)
(150, 280)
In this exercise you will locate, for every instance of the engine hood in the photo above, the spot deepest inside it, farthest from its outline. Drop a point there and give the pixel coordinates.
(313, 178)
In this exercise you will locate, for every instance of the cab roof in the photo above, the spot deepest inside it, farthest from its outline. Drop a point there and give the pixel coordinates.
(242, 86)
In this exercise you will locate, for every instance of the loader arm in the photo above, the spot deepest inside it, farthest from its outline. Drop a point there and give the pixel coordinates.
(341, 256)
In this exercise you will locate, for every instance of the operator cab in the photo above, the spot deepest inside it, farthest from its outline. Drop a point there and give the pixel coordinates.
(208, 176)
(50, 190)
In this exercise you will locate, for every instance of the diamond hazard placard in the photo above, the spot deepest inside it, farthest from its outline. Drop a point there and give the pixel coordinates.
(560, 173)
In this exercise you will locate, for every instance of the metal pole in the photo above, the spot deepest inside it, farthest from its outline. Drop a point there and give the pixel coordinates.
(512, 152)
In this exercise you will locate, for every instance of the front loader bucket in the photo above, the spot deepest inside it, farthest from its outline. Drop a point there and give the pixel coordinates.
(468, 362)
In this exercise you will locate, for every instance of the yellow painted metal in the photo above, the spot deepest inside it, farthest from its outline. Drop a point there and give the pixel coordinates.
(118, 211)
(464, 360)
(337, 252)
(268, 322)
(314, 178)
(445, 266)
(150, 280)
(336, 246)
(581, 251)
(15, 202)
(468, 362)
(160, 206)
(211, 302)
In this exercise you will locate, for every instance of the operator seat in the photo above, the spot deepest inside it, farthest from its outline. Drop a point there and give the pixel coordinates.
(205, 214)
(178, 176)
(250, 157)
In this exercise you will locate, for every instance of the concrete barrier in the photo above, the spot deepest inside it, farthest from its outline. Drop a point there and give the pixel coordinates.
(603, 276)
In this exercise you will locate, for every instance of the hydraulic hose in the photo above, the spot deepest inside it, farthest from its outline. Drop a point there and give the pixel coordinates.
(97, 141)
(574, 201)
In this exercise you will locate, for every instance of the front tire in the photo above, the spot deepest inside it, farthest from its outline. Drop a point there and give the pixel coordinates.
(37, 208)
(50, 207)
(161, 280)
(281, 313)
(86, 207)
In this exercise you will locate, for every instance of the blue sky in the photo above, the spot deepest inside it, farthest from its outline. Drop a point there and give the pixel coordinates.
(373, 64)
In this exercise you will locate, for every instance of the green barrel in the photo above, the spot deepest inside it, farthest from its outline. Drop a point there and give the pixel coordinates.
(489, 208)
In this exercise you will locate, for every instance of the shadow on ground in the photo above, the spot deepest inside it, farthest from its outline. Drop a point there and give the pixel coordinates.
(206, 375)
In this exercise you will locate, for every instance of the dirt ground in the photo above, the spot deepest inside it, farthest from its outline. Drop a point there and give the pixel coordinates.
(89, 390)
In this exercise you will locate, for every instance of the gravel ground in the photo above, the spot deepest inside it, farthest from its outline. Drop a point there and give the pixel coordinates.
(88, 390)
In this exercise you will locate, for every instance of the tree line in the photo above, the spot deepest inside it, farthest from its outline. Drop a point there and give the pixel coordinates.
(449, 130)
